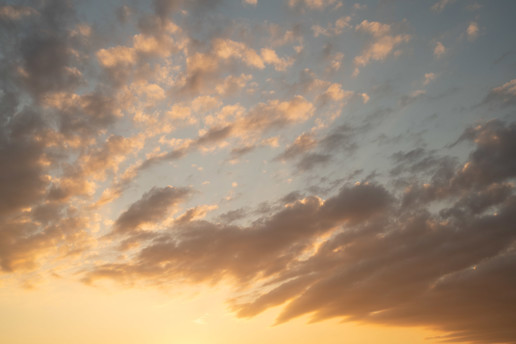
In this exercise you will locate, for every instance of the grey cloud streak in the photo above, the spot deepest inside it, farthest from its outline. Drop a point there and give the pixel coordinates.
(153, 206)
(311, 152)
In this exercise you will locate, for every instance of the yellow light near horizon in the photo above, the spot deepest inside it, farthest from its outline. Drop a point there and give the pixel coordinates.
(70, 312)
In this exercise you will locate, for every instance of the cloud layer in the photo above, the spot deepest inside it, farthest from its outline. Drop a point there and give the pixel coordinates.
(366, 253)
(346, 162)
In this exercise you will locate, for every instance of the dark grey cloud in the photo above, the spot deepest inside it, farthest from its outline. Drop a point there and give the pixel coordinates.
(95, 112)
(233, 215)
(240, 151)
(494, 158)
(419, 161)
(341, 138)
(311, 160)
(209, 251)
(407, 99)
(493, 161)
(39, 45)
(22, 180)
(170, 156)
(213, 135)
(152, 207)
(303, 143)
(47, 64)
(311, 152)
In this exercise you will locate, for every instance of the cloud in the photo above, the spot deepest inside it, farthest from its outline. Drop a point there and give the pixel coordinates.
(502, 96)
(92, 165)
(25, 180)
(366, 254)
(84, 115)
(312, 4)
(233, 84)
(439, 50)
(408, 99)
(232, 215)
(336, 29)
(310, 160)
(155, 205)
(31, 239)
(48, 137)
(335, 93)
(340, 138)
(16, 12)
(430, 242)
(164, 8)
(269, 56)
(47, 64)
(419, 160)
(250, 2)
(203, 69)
(311, 152)
(195, 214)
(429, 77)
(264, 117)
(143, 45)
(209, 251)
(441, 4)
(276, 114)
(381, 47)
(472, 31)
(226, 49)
(302, 144)
(492, 160)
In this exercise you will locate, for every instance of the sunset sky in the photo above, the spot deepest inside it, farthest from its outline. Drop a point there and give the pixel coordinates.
(257, 171)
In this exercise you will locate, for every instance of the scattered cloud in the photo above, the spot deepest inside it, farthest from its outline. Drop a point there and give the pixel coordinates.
(472, 31)
(439, 50)
(383, 44)
(336, 29)
(429, 77)
(295, 185)
(441, 4)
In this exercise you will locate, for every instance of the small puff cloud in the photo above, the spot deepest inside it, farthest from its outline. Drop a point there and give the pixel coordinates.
(472, 31)
(439, 50)
(441, 4)
(381, 47)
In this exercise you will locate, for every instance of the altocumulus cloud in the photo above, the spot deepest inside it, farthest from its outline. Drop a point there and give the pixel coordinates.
(89, 119)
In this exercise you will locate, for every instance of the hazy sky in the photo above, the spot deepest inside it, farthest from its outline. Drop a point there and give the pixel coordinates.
(250, 171)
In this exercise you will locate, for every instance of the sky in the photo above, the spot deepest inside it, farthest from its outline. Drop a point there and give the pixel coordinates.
(250, 171)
